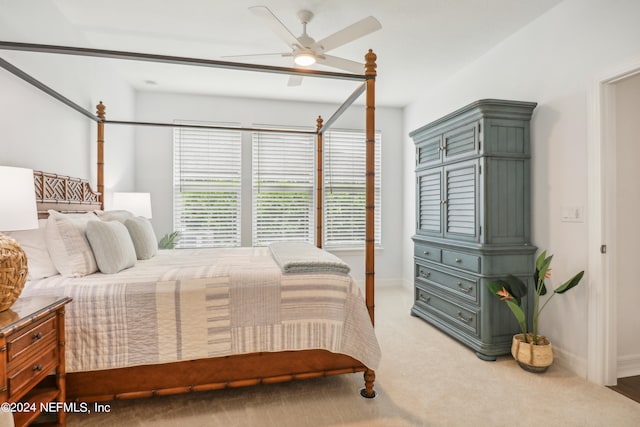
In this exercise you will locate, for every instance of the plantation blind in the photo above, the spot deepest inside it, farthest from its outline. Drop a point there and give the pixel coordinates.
(206, 186)
(283, 171)
(345, 188)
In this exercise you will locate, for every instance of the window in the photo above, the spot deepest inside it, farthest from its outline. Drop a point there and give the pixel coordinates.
(206, 186)
(344, 189)
(283, 187)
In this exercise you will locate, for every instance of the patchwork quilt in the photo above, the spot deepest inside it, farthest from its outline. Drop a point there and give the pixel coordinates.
(190, 304)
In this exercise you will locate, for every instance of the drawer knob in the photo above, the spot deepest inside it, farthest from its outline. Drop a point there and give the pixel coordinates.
(37, 335)
(37, 367)
(458, 260)
(464, 319)
(463, 289)
(425, 274)
(426, 252)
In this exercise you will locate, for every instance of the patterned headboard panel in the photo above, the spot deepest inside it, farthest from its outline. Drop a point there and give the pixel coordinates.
(64, 194)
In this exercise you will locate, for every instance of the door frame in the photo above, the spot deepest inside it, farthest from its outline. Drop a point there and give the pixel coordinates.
(602, 324)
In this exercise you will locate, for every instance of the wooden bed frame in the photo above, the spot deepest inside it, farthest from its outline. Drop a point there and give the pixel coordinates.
(68, 194)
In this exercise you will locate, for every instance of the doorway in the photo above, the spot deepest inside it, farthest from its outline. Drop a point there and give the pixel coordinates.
(614, 202)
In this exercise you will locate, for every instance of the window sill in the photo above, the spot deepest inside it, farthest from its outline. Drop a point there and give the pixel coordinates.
(351, 250)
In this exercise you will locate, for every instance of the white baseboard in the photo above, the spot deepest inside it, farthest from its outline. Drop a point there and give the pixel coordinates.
(384, 283)
(570, 361)
(628, 366)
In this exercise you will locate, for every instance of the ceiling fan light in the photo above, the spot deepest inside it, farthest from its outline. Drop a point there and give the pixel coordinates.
(304, 59)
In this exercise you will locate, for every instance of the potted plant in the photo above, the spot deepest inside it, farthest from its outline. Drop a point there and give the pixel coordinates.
(532, 351)
(168, 241)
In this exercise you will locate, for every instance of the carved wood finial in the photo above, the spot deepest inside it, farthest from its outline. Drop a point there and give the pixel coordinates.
(370, 63)
(100, 110)
(319, 122)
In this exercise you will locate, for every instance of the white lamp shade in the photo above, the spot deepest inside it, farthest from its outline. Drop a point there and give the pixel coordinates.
(138, 204)
(18, 209)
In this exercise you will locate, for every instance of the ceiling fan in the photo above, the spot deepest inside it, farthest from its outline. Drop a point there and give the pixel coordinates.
(306, 51)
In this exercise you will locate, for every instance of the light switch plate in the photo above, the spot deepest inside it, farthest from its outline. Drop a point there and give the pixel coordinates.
(572, 214)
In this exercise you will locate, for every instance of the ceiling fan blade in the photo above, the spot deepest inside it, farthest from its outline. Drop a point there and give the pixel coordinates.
(350, 33)
(252, 55)
(343, 64)
(276, 25)
(294, 81)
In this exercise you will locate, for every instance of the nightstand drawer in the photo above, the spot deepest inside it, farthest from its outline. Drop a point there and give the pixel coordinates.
(464, 287)
(423, 251)
(24, 341)
(455, 314)
(461, 260)
(25, 376)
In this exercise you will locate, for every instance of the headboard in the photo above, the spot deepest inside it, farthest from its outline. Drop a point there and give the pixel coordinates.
(63, 193)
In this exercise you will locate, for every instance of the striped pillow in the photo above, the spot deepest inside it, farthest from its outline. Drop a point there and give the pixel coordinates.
(112, 246)
(67, 243)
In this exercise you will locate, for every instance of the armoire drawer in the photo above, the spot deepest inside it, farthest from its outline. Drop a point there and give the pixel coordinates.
(455, 314)
(463, 287)
(432, 253)
(461, 260)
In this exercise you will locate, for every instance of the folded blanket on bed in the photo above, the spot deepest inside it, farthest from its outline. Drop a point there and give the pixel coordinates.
(301, 257)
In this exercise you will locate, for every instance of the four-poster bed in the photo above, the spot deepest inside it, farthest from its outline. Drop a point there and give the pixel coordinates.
(70, 195)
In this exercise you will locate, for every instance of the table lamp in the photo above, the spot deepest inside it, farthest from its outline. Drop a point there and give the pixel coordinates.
(17, 212)
(138, 204)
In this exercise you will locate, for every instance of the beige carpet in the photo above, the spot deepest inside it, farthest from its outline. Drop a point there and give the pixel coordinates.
(425, 379)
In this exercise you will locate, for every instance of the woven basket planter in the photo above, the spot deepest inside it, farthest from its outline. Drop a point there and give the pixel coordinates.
(532, 357)
(13, 271)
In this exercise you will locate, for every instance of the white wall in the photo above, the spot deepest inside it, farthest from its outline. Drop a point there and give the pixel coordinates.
(627, 226)
(554, 61)
(154, 157)
(41, 133)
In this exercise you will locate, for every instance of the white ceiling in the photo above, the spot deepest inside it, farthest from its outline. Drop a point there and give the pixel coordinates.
(421, 42)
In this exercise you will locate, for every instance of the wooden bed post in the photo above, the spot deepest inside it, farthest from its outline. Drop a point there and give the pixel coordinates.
(319, 185)
(100, 111)
(370, 72)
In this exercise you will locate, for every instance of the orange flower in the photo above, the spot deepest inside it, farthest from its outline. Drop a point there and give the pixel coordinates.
(547, 274)
(504, 293)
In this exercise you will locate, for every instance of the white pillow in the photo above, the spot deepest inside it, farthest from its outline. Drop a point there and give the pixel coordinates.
(112, 246)
(33, 243)
(143, 236)
(68, 245)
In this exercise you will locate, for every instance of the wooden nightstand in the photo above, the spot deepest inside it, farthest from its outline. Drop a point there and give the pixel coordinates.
(32, 348)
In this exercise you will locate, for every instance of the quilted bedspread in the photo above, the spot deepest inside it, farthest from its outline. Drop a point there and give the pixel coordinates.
(193, 304)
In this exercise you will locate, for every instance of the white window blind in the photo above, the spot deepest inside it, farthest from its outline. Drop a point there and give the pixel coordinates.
(206, 186)
(345, 186)
(283, 187)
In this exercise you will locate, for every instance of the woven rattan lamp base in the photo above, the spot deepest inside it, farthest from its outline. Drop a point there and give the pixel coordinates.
(13, 271)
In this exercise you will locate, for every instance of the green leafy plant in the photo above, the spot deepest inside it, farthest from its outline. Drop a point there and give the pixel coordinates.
(512, 291)
(168, 241)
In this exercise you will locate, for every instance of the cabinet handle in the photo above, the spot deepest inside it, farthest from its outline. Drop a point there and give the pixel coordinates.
(425, 275)
(37, 335)
(427, 299)
(37, 367)
(458, 260)
(426, 252)
(463, 289)
(465, 320)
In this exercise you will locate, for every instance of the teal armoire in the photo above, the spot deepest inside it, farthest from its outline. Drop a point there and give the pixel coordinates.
(473, 219)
